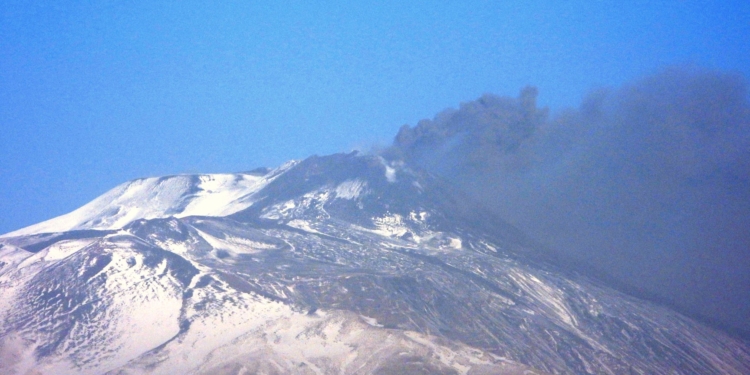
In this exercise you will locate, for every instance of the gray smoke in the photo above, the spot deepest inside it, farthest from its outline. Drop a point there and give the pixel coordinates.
(648, 183)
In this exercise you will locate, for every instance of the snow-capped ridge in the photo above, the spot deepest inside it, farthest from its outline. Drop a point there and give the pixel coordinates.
(160, 197)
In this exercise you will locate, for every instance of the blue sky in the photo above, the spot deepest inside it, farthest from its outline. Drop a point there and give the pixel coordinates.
(93, 94)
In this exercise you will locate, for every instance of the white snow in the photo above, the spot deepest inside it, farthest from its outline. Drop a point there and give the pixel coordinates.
(63, 249)
(161, 197)
(138, 321)
(329, 342)
(11, 278)
(12, 255)
(371, 321)
(390, 225)
(549, 296)
(553, 299)
(455, 243)
(350, 189)
(221, 195)
(302, 225)
(279, 211)
(235, 245)
(314, 200)
(418, 216)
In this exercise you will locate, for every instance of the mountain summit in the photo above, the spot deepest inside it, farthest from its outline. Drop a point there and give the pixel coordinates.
(347, 264)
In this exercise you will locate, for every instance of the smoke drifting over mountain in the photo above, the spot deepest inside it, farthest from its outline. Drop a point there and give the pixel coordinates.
(648, 183)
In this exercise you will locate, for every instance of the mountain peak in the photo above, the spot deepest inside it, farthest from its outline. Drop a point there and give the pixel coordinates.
(160, 197)
(343, 264)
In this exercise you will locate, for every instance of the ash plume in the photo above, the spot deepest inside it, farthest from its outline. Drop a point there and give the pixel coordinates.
(648, 183)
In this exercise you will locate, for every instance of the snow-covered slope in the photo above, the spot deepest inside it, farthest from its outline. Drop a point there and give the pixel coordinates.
(160, 197)
(342, 264)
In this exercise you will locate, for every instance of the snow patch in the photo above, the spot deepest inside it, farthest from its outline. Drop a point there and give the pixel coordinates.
(371, 321)
(302, 225)
(312, 201)
(418, 216)
(350, 189)
(455, 243)
(390, 225)
(235, 245)
(160, 197)
(279, 211)
(549, 296)
(63, 249)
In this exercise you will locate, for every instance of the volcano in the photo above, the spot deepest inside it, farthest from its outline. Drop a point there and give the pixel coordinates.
(341, 264)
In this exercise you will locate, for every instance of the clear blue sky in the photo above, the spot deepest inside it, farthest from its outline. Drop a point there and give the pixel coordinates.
(93, 94)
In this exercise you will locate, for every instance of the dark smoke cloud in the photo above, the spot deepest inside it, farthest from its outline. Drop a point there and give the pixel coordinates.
(648, 183)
